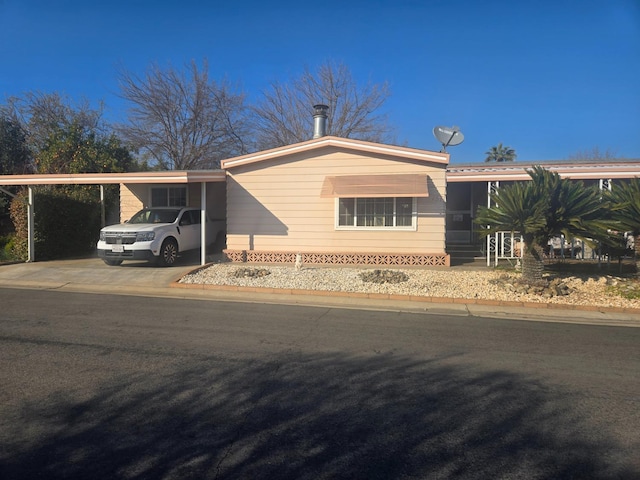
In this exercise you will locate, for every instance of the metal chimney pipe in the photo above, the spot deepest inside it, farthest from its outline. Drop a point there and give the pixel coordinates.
(320, 120)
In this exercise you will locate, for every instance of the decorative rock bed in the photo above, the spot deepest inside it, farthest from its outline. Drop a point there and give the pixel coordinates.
(384, 276)
(605, 291)
(250, 273)
(547, 288)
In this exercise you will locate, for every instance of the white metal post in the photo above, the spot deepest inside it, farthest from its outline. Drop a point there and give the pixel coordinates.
(488, 250)
(491, 187)
(605, 184)
(103, 217)
(31, 256)
(488, 236)
(203, 223)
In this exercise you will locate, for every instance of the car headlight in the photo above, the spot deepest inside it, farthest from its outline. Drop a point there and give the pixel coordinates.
(145, 236)
(103, 236)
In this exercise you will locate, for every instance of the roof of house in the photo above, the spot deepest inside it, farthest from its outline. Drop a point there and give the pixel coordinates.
(575, 169)
(337, 142)
(470, 172)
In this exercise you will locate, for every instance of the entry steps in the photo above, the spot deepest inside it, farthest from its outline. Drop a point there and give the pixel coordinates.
(466, 254)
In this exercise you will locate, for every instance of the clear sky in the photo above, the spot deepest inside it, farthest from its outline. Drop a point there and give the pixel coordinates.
(548, 78)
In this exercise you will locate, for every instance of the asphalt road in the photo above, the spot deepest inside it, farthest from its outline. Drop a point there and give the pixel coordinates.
(124, 387)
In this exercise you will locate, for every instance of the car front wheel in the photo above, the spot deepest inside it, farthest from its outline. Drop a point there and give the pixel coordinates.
(168, 253)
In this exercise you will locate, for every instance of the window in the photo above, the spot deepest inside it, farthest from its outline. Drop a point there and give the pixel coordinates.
(191, 217)
(150, 215)
(169, 197)
(395, 212)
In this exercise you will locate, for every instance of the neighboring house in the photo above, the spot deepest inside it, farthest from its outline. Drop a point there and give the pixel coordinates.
(337, 201)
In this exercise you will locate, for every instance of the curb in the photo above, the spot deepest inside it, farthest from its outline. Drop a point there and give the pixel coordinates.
(408, 298)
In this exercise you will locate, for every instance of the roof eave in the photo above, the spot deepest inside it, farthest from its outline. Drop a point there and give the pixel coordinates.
(339, 142)
(175, 176)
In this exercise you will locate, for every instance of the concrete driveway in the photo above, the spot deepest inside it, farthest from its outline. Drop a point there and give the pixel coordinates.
(93, 272)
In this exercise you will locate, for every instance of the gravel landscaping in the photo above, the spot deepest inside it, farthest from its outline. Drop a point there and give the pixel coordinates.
(592, 290)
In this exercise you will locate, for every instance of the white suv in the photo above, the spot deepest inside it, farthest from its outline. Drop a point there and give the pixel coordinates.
(156, 234)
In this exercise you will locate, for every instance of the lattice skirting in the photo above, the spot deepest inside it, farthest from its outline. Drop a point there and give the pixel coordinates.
(436, 260)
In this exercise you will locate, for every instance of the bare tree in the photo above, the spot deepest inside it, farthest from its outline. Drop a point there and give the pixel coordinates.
(183, 120)
(595, 155)
(284, 115)
(42, 115)
(15, 156)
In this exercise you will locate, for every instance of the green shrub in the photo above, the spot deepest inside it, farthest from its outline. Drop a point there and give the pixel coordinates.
(19, 248)
(9, 250)
(67, 221)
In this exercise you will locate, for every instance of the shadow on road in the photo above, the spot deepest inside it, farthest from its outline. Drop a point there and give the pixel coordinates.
(310, 417)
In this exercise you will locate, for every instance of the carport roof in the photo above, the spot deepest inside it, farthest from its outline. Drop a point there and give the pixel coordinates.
(173, 176)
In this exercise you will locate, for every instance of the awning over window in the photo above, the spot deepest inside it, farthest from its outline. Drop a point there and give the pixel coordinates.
(365, 186)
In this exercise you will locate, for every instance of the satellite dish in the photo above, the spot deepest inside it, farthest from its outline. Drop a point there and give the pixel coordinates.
(448, 136)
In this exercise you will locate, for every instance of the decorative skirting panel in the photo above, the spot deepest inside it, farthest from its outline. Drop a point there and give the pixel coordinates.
(435, 260)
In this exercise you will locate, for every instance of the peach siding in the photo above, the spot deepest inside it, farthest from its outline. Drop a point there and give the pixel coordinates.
(130, 200)
(216, 200)
(276, 206)
(134, 197)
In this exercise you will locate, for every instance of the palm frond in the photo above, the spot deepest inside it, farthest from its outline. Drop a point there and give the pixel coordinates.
(625, 205)
(545, 207)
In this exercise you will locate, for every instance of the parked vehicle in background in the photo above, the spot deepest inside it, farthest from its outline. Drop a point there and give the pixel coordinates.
(158, 235)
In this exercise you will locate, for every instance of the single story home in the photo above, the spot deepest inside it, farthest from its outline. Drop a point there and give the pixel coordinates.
(337, 201)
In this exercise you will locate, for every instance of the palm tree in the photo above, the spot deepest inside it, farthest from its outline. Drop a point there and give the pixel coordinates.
(540, 209)
(625, 209)
(500, 153)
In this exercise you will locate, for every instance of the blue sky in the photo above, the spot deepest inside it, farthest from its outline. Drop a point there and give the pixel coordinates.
(548, 78)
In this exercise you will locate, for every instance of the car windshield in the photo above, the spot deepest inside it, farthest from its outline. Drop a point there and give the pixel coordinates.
(155, 216)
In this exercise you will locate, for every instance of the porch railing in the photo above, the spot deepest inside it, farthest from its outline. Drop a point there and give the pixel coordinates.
(504, 246)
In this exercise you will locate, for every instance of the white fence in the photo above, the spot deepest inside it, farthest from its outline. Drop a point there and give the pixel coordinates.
(504, 246)
(510, 245)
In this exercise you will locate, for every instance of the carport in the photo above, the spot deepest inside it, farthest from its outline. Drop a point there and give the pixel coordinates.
(182, 177)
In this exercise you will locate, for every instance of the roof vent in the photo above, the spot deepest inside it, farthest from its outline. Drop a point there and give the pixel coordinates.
(320, 120)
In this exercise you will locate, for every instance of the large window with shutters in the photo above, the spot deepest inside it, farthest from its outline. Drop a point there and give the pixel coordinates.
(376, 213)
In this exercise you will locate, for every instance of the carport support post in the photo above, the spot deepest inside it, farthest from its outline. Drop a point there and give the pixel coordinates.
(31, 257)
(491, 187)
(203, 223)
(103, 219)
